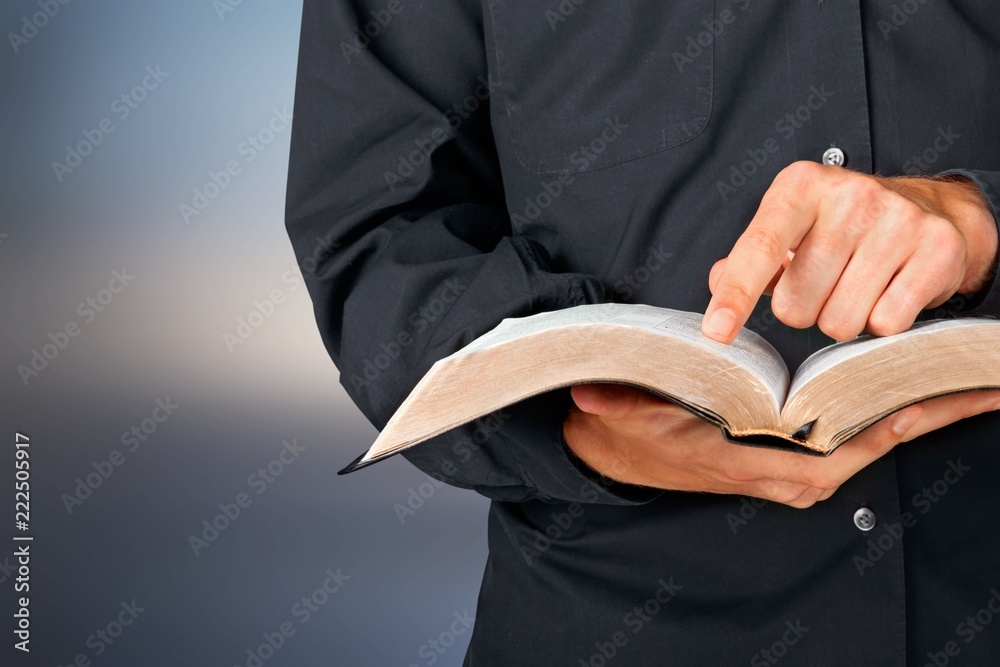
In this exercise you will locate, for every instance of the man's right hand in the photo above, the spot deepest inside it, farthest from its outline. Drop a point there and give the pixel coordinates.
(632, 436)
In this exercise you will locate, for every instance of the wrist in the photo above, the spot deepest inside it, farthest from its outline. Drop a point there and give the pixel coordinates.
(966, 206)
(959, 200)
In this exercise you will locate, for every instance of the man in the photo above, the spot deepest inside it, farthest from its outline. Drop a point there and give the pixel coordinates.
(482, 160)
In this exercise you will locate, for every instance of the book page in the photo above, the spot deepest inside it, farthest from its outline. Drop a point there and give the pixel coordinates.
(513, 328)
(748, 350)
(825, 359)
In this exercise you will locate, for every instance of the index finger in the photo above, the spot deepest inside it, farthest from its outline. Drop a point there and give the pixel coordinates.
(786, 214)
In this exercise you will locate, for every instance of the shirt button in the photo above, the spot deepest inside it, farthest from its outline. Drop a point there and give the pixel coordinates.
(835, 157)
(864, 519)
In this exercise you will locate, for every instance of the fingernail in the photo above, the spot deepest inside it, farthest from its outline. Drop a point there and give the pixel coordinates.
(905, 420)
(721, 323)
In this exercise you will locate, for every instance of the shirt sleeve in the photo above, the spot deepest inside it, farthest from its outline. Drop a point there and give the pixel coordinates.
(986, 302)
(396, 213)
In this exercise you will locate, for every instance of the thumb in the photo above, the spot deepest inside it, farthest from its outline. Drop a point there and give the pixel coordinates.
(890, 431)
(715, 273)
(873, 443)
(611, 401)
(903, 421)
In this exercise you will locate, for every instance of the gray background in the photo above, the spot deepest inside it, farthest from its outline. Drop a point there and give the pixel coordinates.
(162, 337)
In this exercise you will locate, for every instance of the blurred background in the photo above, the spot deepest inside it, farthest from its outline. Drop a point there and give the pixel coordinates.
(160, 356)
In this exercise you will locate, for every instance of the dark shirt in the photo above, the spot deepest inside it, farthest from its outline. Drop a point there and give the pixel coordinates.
(454, 163)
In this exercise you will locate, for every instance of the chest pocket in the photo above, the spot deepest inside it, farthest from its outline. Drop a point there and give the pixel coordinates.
(588, 84)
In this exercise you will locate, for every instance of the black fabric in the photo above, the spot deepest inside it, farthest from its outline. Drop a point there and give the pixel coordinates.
(473, 161)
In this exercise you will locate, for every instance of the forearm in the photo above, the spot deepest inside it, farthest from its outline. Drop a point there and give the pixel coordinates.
(982, 296)
(408, 193)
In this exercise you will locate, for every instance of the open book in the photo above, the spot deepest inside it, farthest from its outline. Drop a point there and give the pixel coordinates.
(742, 387)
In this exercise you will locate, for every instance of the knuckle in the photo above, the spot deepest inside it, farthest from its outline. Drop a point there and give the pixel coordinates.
(733, 472)
(820, 479)
(798, 174)
(900, 228)
(947, 242)
(739, 295)
(865, 192)
(881, 322)
(715, 273)
(788, 309)
(878, 207)
(952, 243)
(947, 278)
(803, 502)
(837, 327)
(908, 305)
(826, 495)
(907, 214)
(781, 202)
(824, 244)
(764, 241)
(879, 443)
(780, 492)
